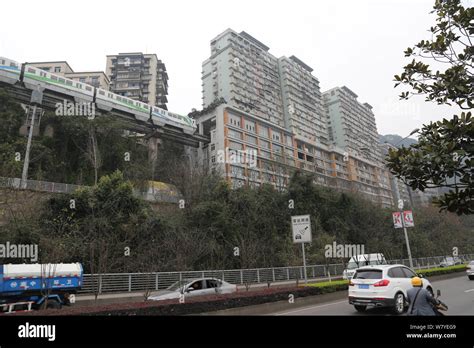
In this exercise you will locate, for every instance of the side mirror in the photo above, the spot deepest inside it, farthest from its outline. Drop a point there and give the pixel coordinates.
(189, 289)
(420, 275)
(438, 293)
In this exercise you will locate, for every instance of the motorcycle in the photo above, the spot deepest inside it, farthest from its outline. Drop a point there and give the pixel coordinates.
(440, 306)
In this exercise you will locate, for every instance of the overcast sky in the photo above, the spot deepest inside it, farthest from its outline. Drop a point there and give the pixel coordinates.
(357, 43)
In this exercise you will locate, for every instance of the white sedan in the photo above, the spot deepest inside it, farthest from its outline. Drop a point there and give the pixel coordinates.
(194, 287)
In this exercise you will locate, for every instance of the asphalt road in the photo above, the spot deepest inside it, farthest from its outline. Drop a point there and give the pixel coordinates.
(457, 293)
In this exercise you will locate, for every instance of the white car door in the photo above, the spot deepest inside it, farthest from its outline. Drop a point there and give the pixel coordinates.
(397, 277)
(196, 288)
(407, 275)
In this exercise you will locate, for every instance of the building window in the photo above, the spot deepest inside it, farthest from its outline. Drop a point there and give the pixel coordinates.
(57, 69)
(235, 121)
(234, 134)
(251, 139)
(264, 144)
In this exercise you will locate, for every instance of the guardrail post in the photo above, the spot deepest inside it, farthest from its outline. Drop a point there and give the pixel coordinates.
(129, 283)
(273, 274)
(241, 276)
(100, 283)
(156, 281)
(258, 275)
(288, 274)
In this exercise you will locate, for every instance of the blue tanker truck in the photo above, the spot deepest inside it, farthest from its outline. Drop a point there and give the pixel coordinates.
(38, 286)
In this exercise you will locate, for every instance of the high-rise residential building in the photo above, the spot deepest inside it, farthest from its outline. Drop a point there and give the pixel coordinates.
(139, 76)
(302, 103)
(351, 123)
(62, 68)
(245, 74)
(273, 122)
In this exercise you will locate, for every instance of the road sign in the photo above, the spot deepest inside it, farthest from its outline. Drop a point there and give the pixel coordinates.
(397, 219)
(301, 227)
(408, 218)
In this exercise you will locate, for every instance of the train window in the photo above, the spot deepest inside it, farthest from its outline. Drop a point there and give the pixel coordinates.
(78, 85)
(88, 88)
(68, 82)
(3, 61)
(101, 92)
(54, 78)
(61, 80)
(111, 95)
(31, 70)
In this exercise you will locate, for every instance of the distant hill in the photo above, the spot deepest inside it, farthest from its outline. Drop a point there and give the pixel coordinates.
(396, 140)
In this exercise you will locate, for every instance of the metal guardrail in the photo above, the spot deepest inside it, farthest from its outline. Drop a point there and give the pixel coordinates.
(129, 282)
(54, 187)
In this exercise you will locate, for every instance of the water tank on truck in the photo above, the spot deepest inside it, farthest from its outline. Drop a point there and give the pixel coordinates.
(35, 286)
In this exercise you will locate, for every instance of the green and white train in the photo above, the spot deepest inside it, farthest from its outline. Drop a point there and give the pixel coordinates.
(12, 72)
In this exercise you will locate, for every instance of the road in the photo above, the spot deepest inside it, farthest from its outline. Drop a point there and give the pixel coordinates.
(457, 293)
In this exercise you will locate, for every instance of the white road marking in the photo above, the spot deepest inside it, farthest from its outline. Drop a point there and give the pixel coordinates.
(311, 307)
(469, 290)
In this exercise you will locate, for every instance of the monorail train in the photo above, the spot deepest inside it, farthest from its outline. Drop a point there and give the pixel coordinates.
(12, 72)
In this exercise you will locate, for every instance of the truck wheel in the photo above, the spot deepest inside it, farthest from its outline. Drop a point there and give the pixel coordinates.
(360, 308)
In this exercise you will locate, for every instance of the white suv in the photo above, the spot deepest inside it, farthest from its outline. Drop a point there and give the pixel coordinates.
(382, 286)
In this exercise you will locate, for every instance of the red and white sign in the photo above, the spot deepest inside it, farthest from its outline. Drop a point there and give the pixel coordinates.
(397, 219)
(408, 218)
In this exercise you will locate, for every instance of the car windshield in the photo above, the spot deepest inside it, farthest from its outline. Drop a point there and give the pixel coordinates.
(177, 285)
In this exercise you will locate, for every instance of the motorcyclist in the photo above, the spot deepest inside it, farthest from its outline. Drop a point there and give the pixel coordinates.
(421, 301)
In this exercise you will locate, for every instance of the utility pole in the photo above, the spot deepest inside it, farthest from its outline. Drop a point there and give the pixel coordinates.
(36, 99)
(400, 207)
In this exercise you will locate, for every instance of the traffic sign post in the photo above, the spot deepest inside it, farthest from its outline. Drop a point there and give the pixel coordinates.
(404, 219)
(301, 228)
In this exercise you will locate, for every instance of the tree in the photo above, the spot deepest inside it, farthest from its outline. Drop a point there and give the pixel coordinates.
(444, 154)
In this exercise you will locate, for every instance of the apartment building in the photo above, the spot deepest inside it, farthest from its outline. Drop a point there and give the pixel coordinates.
(139, 76)
(245, 74)
(62, 68)
(274, 122)
(351, 123)
(94, 78)
(302, 102)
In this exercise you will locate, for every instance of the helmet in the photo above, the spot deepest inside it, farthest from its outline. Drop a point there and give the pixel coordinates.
(416, 281)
